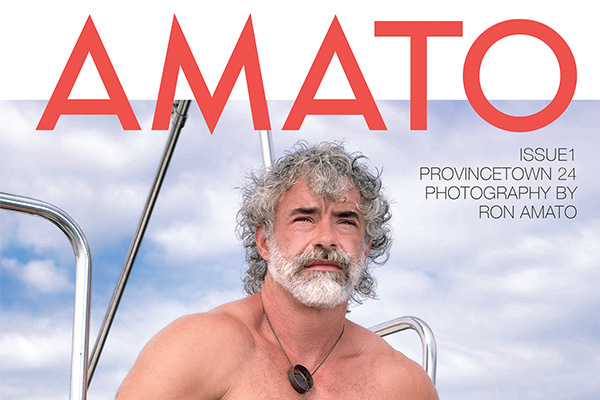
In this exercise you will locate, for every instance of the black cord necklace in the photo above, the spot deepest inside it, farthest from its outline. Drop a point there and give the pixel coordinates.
(299, 376)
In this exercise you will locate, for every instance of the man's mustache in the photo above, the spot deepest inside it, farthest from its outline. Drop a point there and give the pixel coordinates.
(338, 256)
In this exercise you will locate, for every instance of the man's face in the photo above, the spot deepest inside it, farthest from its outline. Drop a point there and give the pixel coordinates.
(318, 250)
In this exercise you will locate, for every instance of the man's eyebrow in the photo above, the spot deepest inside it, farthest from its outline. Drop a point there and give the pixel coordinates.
(304, 211)
(315, 210)
(346, 214)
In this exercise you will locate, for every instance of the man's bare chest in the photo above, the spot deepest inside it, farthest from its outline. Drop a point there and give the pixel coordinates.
(266, 377)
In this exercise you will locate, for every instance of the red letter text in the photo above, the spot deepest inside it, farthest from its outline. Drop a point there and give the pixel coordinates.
(335, 42)
(418, 32)
(179, 55)
(566, 88)
(89, 42)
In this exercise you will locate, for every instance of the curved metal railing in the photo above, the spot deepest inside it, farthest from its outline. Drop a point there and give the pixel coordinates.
(429, 361)
(83, 276)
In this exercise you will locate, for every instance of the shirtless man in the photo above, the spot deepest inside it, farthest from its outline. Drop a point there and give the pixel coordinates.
(311, 227)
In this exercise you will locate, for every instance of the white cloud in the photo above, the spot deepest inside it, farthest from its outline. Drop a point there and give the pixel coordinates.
(40, 275)
(35, 353)
(47, 347)
(205, 227)
(46, 277)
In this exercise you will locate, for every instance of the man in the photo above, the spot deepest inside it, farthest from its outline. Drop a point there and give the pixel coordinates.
(311, 226)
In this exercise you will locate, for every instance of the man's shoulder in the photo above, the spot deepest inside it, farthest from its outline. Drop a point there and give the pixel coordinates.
(215, 325)
(224, 332)
(393, 369)
(236, 315)
(175, 358)
(226, 322)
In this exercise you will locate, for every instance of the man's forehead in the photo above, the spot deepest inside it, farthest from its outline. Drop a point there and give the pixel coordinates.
(300, 196)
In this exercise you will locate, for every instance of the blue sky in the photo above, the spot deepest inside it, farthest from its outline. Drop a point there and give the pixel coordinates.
(512, 302)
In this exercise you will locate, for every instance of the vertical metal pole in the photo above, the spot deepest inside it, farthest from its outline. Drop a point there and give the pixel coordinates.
(266, 145)
(180, 111)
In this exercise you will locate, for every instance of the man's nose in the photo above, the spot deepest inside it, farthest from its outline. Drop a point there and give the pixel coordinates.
(325, 235)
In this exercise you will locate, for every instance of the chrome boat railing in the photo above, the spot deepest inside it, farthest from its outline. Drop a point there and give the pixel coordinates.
(83, 281)
(429, 361)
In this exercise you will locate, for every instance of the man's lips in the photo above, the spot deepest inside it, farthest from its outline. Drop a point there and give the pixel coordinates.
(324, 265)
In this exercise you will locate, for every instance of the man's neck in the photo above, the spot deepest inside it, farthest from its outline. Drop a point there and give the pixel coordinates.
(306, 333)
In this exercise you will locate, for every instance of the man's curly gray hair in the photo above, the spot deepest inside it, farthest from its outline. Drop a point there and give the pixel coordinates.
(327, 169)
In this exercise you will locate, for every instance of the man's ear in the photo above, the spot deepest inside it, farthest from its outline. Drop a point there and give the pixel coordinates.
(368, 248)
(262, 242)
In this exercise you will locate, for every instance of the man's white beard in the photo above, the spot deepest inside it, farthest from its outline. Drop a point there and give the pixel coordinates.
(321, 289)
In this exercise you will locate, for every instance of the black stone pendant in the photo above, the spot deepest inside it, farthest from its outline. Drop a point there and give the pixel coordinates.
(300, 378)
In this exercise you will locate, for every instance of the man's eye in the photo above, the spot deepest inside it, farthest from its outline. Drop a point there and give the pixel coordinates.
(302, 219)
(348, 222)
